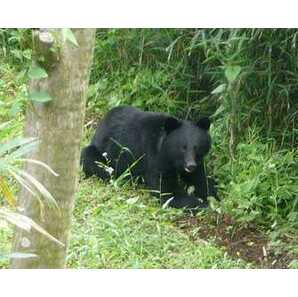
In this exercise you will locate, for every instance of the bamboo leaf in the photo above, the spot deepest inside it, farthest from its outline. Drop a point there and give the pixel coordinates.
(133, 200)
(219, 89)
(24, 183)
(218, 111)
(41, 164)
(5, 125)
(26, 223)
(27, 186)
(14, 220)
(166, 204)
(14, 143)
(231, 72)
(9, 197)
(43, 191)
(23, 150)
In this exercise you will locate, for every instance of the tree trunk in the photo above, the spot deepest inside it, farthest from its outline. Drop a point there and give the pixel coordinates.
(58, 125)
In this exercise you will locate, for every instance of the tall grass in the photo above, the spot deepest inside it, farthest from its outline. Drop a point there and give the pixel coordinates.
(245, 79)
(176, 70)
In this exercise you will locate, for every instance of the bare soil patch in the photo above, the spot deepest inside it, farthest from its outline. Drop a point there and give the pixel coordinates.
(247, 243)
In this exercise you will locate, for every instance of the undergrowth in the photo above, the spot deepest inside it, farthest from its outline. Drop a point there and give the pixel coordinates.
(123, 228)
(245, 79)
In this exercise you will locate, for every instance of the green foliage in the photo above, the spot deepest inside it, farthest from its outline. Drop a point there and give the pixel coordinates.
(261, 184)
(231, 73)
(36, 72)
(122, 228)
(12, 154)
(13, 148)
(176, 70)
(294, 264)
(245, 79)
(6, 234)
(141, 68)
(16, 46)
(13, 94)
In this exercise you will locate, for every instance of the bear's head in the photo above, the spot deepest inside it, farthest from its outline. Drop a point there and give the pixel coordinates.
(186, 143)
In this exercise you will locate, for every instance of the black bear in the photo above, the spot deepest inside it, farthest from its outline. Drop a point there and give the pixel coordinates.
(166, 153)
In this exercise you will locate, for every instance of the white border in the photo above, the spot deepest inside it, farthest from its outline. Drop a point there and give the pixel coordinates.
(151, 283)
(153, 13)
(134, 14)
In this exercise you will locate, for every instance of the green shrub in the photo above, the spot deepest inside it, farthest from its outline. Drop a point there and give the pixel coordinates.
(247, 79)
(16, 46)
(261, 184)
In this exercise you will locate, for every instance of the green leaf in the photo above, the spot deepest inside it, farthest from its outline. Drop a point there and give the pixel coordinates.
(7, 193)
(40, 96)
(41, 189)
(218, 111)
(23, 150)
(293, 264)
(42, 165)
(231, 72)
(132, 200)
(5, 125)
(36, 72)
(15, 143)
(67, 34)
(219, 89)
(25, 223)
(166, 204)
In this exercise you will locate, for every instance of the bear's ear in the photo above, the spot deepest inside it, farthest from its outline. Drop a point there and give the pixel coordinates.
(171, 124)
(204, 123)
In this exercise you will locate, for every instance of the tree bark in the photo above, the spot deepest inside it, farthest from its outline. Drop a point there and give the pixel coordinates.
(58, 126)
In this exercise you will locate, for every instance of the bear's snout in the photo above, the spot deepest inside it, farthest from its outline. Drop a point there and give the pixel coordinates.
(190, 167)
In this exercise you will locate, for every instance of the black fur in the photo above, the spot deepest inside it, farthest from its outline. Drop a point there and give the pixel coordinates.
(169, 151)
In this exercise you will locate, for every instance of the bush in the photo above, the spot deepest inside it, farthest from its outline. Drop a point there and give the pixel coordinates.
(260, 185)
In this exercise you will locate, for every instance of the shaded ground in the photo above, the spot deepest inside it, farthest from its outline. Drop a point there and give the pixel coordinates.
(247, 243)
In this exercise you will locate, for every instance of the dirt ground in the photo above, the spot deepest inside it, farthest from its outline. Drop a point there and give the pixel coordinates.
(247, 243)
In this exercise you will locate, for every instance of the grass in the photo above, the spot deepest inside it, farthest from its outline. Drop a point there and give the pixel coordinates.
(5, 244)
(125, 228)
